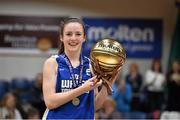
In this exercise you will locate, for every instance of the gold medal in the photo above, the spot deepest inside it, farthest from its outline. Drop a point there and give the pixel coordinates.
(75, 101)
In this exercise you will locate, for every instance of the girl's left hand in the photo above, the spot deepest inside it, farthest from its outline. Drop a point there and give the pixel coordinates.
(113, 79)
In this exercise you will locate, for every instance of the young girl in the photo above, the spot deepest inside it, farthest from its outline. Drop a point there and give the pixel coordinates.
(9, 109)
(68, 85)
(155, 83)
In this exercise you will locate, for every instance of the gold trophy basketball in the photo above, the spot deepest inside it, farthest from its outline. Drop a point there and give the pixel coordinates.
(107, 56)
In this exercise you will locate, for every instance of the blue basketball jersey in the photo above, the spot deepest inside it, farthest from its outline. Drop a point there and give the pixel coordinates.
(85, 109)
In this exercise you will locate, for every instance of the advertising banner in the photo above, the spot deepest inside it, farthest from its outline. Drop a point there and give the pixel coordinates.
(142, 38)
(29, 32)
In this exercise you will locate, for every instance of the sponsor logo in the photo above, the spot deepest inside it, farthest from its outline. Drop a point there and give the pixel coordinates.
(88, 72)
(122, 33)
(109, 47)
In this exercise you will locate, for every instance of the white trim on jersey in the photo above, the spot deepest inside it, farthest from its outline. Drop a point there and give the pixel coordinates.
(54, 56)
(45, 114)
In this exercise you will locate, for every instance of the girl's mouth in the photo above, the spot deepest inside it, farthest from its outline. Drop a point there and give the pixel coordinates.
(73, 44)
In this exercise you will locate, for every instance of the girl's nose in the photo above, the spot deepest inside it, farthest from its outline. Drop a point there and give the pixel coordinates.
(73, 36)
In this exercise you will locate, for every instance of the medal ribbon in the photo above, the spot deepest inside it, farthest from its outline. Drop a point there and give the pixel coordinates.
(75, 82)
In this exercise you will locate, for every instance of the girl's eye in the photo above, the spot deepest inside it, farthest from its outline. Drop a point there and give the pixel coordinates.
(68, 34)
(78, 34)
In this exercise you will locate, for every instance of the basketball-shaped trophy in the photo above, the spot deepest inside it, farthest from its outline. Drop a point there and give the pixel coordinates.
(107, 57)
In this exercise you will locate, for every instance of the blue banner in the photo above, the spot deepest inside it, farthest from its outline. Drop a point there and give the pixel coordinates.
(141, 38)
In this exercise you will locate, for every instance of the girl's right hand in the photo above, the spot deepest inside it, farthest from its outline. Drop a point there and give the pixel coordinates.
(89, 84)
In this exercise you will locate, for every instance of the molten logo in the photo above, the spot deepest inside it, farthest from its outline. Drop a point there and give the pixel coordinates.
(123, 33)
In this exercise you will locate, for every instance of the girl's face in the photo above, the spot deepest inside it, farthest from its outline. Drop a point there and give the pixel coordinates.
(73, 37)
(175, 66)
(157, 66)
(11, 102)
(133, 68)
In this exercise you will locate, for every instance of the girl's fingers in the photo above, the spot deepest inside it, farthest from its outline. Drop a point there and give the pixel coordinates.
(99, 83)
(93, 78)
